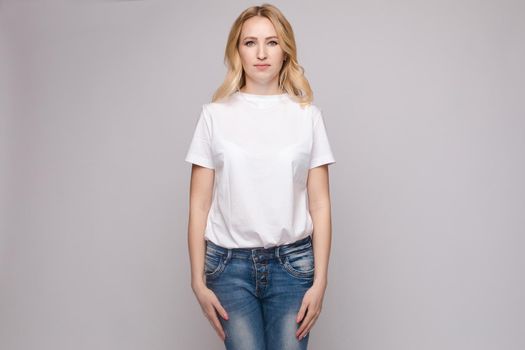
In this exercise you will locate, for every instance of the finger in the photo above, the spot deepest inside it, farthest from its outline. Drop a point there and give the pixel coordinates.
(308, 318)
(221, 310)
(308, 327)
(301, 312)
(305, 322)
(218, 327)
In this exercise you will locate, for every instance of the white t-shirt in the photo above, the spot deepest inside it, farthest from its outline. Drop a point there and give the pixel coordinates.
(261, 148)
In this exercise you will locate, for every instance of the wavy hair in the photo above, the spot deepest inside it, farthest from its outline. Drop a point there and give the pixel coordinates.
(291, 77)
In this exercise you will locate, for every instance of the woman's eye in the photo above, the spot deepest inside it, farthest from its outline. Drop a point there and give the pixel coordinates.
(273, 42)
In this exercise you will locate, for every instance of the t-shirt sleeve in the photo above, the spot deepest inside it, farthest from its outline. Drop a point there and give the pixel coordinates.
(321, 151)
(200, 150)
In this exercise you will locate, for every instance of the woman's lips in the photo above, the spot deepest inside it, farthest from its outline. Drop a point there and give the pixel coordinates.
(262, 66)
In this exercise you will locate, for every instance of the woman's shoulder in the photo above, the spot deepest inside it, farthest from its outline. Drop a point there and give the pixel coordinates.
(311, 109)
(314, 112)
(219, 106)
(225, 106)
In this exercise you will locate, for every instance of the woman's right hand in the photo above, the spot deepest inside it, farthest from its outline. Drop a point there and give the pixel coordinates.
(210, 305)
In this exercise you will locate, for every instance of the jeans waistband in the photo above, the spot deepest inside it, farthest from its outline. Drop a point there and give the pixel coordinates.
(270, 252)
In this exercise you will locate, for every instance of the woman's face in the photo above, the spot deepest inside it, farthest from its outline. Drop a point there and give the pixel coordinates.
(261, 53)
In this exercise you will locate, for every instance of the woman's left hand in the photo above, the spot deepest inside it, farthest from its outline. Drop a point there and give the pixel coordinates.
(313, 302)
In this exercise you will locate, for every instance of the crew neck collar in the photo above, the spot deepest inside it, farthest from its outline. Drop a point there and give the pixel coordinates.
(261, 101)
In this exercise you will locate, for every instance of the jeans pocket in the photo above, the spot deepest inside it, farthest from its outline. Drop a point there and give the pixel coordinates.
(213, 263)
(300, 263)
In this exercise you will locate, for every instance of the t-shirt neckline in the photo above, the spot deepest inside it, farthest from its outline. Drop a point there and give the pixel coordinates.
(261, 101)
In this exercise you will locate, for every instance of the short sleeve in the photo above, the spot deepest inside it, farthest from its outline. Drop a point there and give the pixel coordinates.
(321, 151)
(200, 150)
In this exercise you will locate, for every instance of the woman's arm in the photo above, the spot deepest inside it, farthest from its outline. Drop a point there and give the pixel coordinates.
(320, 210)
(200, 154)
(201, 190)
(319, 206)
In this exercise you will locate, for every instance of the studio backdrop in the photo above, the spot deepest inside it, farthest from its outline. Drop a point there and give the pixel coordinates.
(423, 104)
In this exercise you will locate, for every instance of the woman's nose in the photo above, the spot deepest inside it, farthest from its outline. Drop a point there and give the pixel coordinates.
(261, 52)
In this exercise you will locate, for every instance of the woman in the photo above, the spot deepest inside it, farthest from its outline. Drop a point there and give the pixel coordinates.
(259, 231)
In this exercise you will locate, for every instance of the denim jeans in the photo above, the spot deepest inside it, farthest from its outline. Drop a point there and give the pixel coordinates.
(261, 289)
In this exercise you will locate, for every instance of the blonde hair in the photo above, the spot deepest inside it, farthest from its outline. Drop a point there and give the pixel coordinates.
(291, 77)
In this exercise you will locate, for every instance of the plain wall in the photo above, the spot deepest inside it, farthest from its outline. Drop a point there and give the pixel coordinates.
(424, 107)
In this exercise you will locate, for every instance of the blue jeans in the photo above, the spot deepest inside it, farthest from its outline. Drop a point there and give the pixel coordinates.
(261, 289)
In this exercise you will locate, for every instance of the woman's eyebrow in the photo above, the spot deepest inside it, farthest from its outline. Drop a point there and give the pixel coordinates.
(252, 37)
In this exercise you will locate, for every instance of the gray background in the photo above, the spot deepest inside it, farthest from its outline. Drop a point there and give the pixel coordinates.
(424, 106)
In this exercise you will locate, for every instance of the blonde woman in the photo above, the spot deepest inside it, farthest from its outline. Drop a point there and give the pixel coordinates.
(259, 231)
